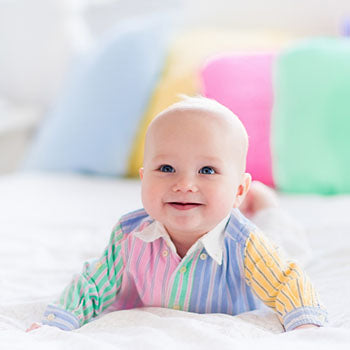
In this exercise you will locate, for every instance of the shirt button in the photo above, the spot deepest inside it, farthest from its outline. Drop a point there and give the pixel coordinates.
(176, 307)
(51, 317)
(269, 263)
(203, 256)
(98, 265)
(165, 253)
(183, 269)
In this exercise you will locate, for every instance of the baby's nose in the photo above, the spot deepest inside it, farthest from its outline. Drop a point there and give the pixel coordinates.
(185, 184)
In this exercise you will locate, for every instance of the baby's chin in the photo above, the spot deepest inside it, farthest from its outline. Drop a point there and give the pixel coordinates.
(186, 229)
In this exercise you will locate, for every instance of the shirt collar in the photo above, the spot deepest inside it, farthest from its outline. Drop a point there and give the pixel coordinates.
(211, 241)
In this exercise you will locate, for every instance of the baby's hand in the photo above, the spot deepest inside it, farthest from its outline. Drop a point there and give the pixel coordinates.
(33, 326)
(306, 326)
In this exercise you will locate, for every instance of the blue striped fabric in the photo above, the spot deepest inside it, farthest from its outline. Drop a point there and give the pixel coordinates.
(222, 288)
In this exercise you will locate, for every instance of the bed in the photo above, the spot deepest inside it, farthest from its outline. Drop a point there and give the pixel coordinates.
(50, 224)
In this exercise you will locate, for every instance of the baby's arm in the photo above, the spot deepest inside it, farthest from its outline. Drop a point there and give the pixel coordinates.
(281, 284)
(262, 206)
(90, 292)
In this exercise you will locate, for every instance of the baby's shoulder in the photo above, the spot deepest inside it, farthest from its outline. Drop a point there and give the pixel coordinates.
(239, 228)
(131, 221)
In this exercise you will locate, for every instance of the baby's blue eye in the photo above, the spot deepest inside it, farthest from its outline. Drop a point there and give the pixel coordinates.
(207, 170)
(167, 169)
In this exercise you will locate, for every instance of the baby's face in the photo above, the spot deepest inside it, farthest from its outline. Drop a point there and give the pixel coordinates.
(193, 171)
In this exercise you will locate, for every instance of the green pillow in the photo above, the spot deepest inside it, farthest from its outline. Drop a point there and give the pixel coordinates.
(311, 118)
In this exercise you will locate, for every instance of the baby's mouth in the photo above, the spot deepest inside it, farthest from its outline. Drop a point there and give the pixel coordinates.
(184, 205)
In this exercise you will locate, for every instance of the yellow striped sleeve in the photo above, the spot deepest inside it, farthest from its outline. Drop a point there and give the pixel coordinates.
(281, 284)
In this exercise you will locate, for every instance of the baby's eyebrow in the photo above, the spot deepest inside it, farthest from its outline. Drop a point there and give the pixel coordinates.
(161, 157)
(205, 159)
(209, 160)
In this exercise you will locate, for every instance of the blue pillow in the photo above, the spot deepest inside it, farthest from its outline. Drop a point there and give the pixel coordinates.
(92, 127)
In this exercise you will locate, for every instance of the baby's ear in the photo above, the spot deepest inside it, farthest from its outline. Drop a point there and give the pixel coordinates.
(141, 173)
(242, 190)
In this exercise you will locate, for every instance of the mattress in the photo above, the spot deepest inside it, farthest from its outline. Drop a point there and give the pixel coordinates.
(50, 224)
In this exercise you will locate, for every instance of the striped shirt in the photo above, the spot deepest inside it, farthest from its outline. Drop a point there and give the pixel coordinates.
(230, 270)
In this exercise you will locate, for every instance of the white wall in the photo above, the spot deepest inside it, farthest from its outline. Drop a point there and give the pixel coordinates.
(306, 17)
(39, 37)
(303, 17)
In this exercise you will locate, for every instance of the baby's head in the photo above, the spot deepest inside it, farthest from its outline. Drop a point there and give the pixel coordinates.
(194, 166)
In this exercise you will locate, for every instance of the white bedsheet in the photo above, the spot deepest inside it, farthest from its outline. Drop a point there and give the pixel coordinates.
(50, 224)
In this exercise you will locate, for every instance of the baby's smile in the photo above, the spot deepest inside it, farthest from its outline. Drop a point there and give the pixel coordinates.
(184, 205)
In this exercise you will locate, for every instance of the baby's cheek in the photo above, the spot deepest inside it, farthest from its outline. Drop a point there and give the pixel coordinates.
(222, 202)
(147, 199)
(152, 202)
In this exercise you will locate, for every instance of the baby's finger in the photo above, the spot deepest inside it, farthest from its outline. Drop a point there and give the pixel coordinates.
(35, 325)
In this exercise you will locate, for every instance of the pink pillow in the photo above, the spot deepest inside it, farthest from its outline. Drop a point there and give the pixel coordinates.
(243, 83)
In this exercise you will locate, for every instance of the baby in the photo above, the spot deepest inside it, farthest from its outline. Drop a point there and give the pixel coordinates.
(190, 248)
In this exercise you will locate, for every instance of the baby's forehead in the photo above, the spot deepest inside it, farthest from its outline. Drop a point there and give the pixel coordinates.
(191, 122)
(195, 115)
